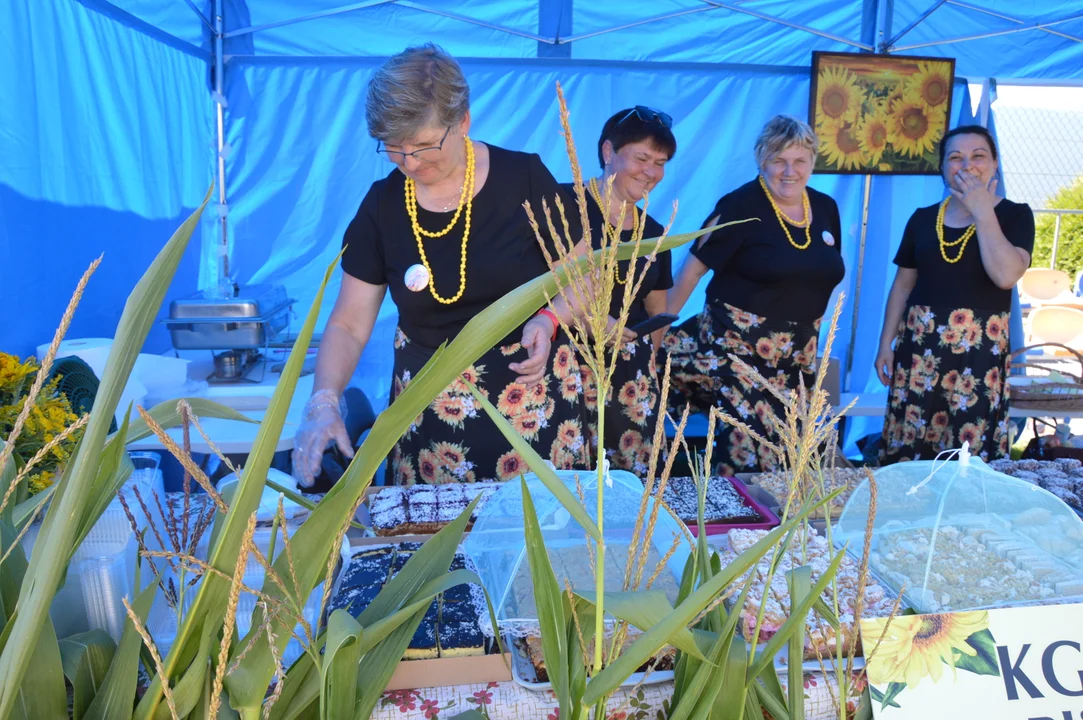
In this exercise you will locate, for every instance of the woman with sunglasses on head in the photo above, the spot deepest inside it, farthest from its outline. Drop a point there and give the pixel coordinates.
(633, 149)
(949, 308)
(772, 279)
(447, 234)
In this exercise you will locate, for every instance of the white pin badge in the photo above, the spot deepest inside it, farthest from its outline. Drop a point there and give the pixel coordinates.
(416, 278)
(829, 238)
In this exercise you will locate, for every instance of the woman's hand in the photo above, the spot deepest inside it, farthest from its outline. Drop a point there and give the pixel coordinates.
(885, 365)
(536, 334)
(977, 197)
(322, 422)
(626, 336)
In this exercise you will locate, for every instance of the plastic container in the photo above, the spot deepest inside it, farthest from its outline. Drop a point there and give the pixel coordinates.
(770, 519)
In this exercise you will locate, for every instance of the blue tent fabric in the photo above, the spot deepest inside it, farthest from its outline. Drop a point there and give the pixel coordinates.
(107, 124)
(105, 140)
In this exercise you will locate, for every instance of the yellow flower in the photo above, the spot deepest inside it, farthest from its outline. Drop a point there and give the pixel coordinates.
(837, 93)
(930, 83)
(873, 135)
(913, 131)
(839, 145)
(39, 482)
(918, 646)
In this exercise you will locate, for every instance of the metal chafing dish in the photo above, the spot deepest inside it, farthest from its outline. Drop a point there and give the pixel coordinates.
(241, 325)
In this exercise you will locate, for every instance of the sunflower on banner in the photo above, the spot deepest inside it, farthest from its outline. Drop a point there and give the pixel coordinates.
(916, 647)
(878, 114)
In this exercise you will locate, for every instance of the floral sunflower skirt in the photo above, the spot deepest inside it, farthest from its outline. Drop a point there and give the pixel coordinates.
(949, 386)
(703, 376)
(630, 413)
(454, 440)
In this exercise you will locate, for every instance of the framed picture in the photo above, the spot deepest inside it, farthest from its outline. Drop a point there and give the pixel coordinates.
(879, 114)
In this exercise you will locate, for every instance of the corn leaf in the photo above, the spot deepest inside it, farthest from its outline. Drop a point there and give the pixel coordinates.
(698, 696)
(26, 509)
(470, 715)
(799, 581)
(166, 414)
(338, 687)
(645, 609)
(535, 462)
(731, 702)
(301, 687)
(798, 615)
(86, 657)
(66, 511)
(653, 639)
(113, 472)
(423, 572)
(7, 476)
(549, 600)
(209, 605)
(188, 691)
(42, 694)
(116, 698)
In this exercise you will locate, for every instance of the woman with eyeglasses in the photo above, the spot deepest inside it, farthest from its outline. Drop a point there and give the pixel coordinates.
(772, 279)
(447, 234)
(634, 146)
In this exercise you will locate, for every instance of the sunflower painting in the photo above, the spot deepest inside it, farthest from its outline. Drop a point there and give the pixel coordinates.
(879, 113)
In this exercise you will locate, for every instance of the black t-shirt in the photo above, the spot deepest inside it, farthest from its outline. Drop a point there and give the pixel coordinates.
(502, 250)
(756, 268)
(963, 284)
(659, 275)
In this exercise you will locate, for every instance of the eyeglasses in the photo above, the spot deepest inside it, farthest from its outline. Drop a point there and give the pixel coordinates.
(399, 156)
(647, 115)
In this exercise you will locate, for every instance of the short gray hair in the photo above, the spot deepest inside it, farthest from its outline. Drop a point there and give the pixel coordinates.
(413, 88)
(779, 133)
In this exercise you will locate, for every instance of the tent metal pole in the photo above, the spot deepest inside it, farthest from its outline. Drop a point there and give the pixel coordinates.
(474, 21)
(219, 89)
(202, 17)
(313, 16)
(997, 33)
(787, 23)
(921, 18)
(637, 23)
(1009, 18)
(857, 285)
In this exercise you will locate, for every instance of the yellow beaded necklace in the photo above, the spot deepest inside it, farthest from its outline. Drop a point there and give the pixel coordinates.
(597, 195)
(967, 234)
(785, 221)
(466, 199)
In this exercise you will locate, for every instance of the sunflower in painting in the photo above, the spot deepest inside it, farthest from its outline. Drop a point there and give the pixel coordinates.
(837, 93)
(873, 134)
(930, 83)
(918, 646)
(914, 130)
(840, 144)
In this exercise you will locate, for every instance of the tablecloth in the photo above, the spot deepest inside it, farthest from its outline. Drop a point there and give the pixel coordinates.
(510, 701)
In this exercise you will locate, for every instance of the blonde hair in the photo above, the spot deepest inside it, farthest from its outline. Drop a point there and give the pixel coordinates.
(413, 88)
(779, 133)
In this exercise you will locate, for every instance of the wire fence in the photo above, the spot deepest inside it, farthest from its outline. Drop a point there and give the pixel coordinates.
(1041, 158)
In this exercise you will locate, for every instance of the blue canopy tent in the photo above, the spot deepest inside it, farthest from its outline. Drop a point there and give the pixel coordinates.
(115, 117)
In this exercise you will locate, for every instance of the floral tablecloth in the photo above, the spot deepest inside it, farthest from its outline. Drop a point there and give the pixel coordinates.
(509, 701)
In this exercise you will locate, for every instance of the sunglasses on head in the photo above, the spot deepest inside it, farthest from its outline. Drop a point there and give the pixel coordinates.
(648, 115)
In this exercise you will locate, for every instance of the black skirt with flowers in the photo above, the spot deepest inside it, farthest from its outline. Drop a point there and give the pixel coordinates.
(703, 376)
(453, 440)
(630, 412)
(949, 386)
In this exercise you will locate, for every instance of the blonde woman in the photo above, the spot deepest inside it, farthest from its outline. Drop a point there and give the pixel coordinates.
(771, 283)
(445, 232)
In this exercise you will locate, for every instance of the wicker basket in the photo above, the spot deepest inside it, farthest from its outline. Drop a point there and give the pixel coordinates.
(1054, 396)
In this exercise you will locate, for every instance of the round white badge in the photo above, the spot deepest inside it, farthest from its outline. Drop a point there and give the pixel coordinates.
(416, 278)
(829, 238)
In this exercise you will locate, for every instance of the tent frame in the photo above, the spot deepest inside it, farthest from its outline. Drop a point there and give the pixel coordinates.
(877, 20)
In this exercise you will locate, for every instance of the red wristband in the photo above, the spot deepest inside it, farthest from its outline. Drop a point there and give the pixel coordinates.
(552, 316)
